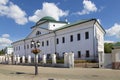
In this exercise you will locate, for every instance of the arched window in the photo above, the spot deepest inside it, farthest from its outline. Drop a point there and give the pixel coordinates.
(38, 33)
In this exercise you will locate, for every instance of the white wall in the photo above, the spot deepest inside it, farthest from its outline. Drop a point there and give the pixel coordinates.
(75, 46)
(54, 25)
(117, 55)
(9, 50)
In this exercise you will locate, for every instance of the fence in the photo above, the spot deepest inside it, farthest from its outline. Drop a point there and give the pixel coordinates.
(8, 59)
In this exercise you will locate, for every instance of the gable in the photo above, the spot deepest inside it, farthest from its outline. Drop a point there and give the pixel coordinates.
(38, 31)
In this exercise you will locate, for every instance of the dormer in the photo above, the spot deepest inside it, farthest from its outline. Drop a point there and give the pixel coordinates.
(49, 23)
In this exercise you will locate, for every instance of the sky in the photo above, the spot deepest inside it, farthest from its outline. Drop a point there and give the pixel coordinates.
(18, 16)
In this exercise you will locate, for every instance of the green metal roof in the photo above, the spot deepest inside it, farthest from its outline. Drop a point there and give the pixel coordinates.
(76, 23)
(47, 18)
(9, 47)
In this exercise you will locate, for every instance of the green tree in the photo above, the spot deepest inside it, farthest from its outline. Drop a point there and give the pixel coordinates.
(108, 47)
(2, 51)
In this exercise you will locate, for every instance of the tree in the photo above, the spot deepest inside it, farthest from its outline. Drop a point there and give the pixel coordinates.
(108, 47)
(2, 51)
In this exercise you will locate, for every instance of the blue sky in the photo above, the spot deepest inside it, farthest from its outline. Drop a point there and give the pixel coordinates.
(17, 16)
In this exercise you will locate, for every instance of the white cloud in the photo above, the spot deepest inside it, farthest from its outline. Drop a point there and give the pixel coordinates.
(13, 11)
(108, 41)
(5, 35)
(114, 30)
(88, 7)
(5, 41)
(3, 2)
(48, 9)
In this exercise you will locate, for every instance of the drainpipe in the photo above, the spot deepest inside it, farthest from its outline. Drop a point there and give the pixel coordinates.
(94, 40)
(24, 48)
(55, 41)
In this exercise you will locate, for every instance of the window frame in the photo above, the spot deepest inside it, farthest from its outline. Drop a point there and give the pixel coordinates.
(87, 35)
(78, 36)
(71, 38)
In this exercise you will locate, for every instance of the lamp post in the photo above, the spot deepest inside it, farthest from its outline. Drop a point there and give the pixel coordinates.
(35, 51)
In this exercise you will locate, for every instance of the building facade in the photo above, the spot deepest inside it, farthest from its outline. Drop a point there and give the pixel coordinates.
(85, 38)
(9, 50)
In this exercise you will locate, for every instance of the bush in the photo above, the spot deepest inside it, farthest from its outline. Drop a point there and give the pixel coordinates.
(60, 61)
(80, 61)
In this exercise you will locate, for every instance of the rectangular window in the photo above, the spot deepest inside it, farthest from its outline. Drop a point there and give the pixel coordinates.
(27, 46)
(42, 43)
(78, 36)
(79, 54)
(86, 35)
(63, 39)
(31, 45)
(14, 48)
(19, 47)
(24, 47)
(57, 41)
(87, 53)
(47, 42)
(71, 38)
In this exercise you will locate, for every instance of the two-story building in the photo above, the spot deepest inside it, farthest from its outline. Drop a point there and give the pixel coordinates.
(85, 38)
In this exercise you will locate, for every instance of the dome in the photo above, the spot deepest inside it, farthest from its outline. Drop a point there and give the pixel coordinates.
(47, 18)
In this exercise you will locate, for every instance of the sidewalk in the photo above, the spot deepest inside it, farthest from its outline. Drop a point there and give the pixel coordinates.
(17, 72)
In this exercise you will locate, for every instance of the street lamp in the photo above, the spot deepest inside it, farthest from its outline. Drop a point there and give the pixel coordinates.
(35, 51)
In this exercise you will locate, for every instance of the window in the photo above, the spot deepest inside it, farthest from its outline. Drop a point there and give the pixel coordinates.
(38, 33)
(57, 41)
(19, 47)
(78, 37)
(54, 25)
(24, 47)
(63, 39)
(79, 54)
(27, 46)
(42, 43)
(87, 53)
(86, 35)
(47, 42)
(32, 45)
(14, 48)
(71, 38)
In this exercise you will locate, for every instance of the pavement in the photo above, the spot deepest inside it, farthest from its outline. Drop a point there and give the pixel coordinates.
(18, 72)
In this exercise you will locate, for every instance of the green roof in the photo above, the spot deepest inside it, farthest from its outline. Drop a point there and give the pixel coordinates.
(76, 23)
(9, 47)
(47, 18)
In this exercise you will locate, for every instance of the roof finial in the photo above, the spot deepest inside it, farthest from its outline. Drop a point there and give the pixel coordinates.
(66, 20)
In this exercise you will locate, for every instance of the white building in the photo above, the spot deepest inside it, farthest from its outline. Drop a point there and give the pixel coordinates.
(85, 38)
(9, 50)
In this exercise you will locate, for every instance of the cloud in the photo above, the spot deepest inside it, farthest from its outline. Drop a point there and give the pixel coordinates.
(5, 35)
(108, 41)
(88, 7)
(48, 9)
(114, 30)
(4, 40)
(4, 2)
(12, 11)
